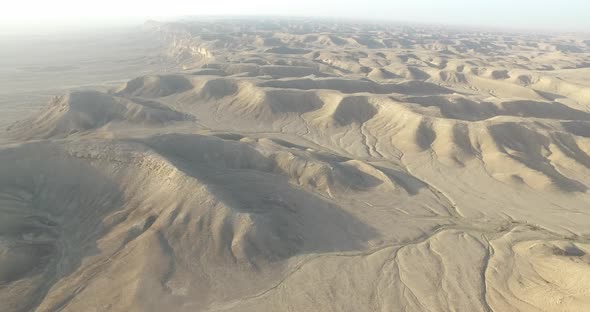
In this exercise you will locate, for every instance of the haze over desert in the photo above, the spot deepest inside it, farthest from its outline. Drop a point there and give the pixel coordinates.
(295, 164)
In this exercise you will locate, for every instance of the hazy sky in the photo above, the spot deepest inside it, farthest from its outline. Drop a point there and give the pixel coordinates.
(544, 14)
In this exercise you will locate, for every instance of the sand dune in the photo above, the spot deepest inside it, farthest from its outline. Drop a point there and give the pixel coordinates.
(308, 166)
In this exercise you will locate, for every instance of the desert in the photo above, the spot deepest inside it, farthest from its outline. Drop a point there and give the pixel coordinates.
(277, 164)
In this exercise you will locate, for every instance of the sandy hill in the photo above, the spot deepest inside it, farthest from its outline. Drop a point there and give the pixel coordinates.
(87, 110)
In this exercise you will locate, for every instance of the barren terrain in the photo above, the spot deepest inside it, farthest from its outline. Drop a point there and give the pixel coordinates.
(301, 165)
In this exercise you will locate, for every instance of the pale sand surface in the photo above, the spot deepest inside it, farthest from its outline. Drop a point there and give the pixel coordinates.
(298, 165)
